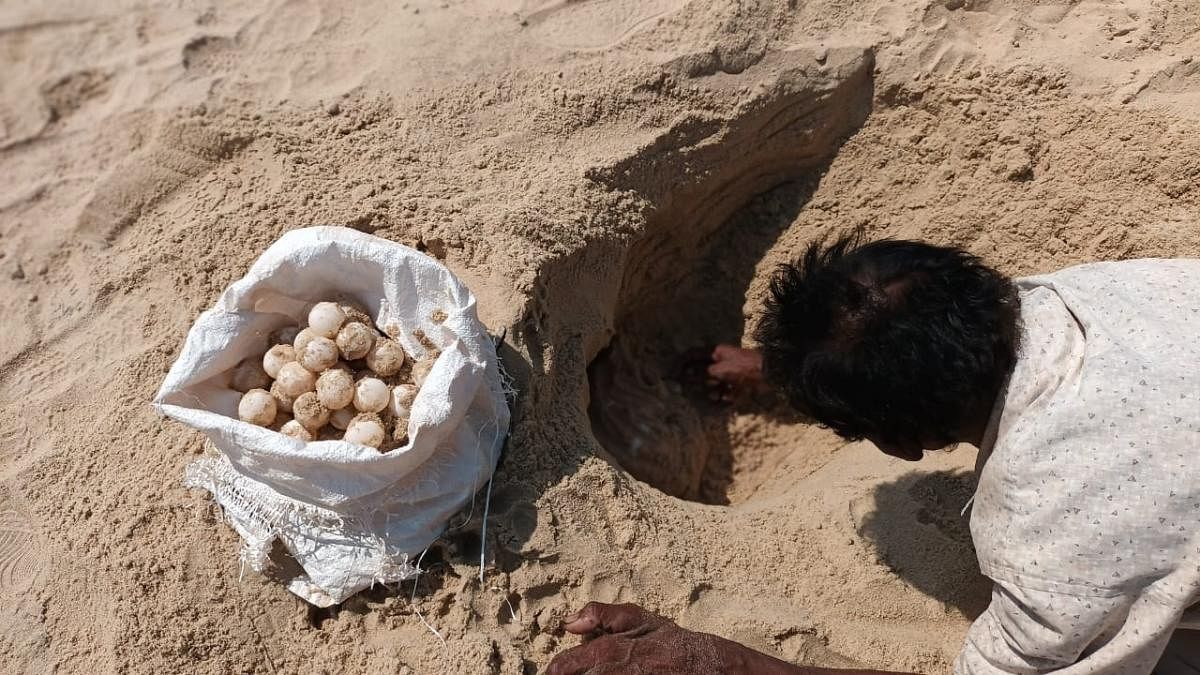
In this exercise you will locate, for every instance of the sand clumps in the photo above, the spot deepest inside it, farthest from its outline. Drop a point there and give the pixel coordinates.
(339, 374)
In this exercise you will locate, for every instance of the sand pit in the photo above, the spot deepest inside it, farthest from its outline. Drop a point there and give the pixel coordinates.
(615, 180)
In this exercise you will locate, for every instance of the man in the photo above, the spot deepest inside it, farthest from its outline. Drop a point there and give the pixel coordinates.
(1081, 389)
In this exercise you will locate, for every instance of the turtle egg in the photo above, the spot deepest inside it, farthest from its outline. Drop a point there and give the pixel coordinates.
(275, 357)
(282, 401)
(308, 411)
(257, 407)
(340, 418)
(294, 429)
(249, 374)
(303, 338)
(403, 396)
(365, 429)
(326, 318)
(421, 369)
(386, 357)
(318, 355)
(355, 340)
(285, 336)
(294, 379)
(335, 389)
(371, 395)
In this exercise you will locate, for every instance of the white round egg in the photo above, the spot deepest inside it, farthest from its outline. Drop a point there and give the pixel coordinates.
(275, 357)
(294, 429)
(318, 355)
(257, 407)
(371, 395)
(294, 379)
(303, 338)
(325, 318)
(365, 429)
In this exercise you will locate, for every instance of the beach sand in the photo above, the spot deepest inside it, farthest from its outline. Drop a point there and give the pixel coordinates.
(615, 180)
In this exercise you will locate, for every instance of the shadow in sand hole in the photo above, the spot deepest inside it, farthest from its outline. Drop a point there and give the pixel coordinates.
(920, 534)
(655, 422)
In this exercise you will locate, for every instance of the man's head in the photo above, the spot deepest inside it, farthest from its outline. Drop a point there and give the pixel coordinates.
(898, 342)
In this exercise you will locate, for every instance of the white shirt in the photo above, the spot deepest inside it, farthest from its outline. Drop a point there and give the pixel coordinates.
(1087, 514)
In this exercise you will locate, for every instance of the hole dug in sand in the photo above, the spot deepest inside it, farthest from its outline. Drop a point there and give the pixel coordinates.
(721, 192)
(649, 407)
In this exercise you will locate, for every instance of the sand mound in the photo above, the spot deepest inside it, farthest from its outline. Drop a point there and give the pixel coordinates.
(615, 180)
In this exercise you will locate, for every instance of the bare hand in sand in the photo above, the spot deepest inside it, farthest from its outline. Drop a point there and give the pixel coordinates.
(732, 371)
(628, 639)
(735, 366)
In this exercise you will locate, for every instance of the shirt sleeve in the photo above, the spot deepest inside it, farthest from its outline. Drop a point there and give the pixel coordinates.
(1030, 631)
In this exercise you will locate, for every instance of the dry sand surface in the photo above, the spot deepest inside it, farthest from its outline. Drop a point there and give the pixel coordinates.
(615, 179)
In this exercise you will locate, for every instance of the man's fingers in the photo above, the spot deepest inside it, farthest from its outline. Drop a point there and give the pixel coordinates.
(581, 659)
(605, 618)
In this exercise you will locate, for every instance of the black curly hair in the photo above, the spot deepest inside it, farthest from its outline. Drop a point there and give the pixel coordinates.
(899, 342)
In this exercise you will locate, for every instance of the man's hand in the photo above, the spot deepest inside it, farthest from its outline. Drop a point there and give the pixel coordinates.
(730, 372)
(735, 366)
(629, 640)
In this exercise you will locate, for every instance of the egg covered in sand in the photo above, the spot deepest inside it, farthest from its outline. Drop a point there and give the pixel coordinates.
(386, 357)
(355, 340)
(335, 388)
(308, 411)
(318, 355)
(365, 429)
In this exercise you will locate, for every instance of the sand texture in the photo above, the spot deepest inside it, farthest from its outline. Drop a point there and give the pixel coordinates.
(615, 180)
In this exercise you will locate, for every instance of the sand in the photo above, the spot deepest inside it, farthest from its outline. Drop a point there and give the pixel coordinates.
(615, 180)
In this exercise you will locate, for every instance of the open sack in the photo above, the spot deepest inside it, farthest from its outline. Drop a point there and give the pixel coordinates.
(350, 515)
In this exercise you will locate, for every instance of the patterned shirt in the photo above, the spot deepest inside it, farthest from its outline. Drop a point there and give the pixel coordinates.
(1087, 514)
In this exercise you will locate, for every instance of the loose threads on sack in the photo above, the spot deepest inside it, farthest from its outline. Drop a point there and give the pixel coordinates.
(487, 503)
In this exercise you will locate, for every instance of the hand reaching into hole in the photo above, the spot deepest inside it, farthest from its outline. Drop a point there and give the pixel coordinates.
(724, 372)
(736, 367)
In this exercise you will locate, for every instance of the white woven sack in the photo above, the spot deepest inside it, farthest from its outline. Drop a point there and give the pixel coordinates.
(350, 515)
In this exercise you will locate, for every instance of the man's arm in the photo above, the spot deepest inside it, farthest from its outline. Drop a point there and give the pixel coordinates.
(628, 639)
(1030, 632)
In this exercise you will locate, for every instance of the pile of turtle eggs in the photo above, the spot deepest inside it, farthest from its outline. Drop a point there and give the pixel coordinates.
(337, 378)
